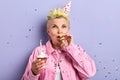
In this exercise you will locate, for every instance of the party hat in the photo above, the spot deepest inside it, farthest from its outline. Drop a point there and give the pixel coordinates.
(60, 12)
(67, 7)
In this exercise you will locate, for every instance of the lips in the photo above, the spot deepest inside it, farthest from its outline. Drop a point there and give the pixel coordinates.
(63, 37)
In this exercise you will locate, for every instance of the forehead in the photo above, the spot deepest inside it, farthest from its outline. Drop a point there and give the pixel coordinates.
(57, 21)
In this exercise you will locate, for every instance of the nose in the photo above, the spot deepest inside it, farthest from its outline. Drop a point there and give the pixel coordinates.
(59, 31)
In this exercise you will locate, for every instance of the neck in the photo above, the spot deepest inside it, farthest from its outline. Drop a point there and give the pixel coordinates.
(55, 45)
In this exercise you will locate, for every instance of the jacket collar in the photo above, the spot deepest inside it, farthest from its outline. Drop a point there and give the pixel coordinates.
(49, 47)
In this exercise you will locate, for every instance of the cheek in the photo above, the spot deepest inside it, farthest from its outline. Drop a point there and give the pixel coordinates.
(52, 33)
(66, 31)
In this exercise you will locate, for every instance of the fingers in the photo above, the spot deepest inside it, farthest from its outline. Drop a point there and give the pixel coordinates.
(63, 43)
(69, 39)
(37, 66)
(66, 40)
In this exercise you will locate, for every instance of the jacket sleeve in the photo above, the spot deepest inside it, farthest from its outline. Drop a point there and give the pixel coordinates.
(84, 65)
(28, 75)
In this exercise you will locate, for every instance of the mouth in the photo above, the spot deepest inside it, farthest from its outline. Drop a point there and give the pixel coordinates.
(61, 37)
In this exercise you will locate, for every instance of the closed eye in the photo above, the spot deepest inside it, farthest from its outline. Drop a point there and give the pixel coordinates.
(54, 26)
(64, 26)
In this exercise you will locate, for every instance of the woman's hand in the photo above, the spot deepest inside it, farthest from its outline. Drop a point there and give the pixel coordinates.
(65, 41)
(37, 66)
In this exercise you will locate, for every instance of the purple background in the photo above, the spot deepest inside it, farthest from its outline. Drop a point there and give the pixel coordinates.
(95, 25)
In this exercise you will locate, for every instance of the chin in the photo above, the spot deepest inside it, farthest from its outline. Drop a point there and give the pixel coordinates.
(54, 41)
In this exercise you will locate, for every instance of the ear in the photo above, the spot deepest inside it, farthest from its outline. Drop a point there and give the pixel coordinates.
(47, 30)
(68, 30)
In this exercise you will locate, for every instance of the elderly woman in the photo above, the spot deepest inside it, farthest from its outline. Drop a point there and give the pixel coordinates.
(62, 59)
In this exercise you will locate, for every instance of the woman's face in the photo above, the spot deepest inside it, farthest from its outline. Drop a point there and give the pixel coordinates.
(57, 27)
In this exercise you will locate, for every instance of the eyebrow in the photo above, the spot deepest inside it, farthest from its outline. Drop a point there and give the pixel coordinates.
(64, 24)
